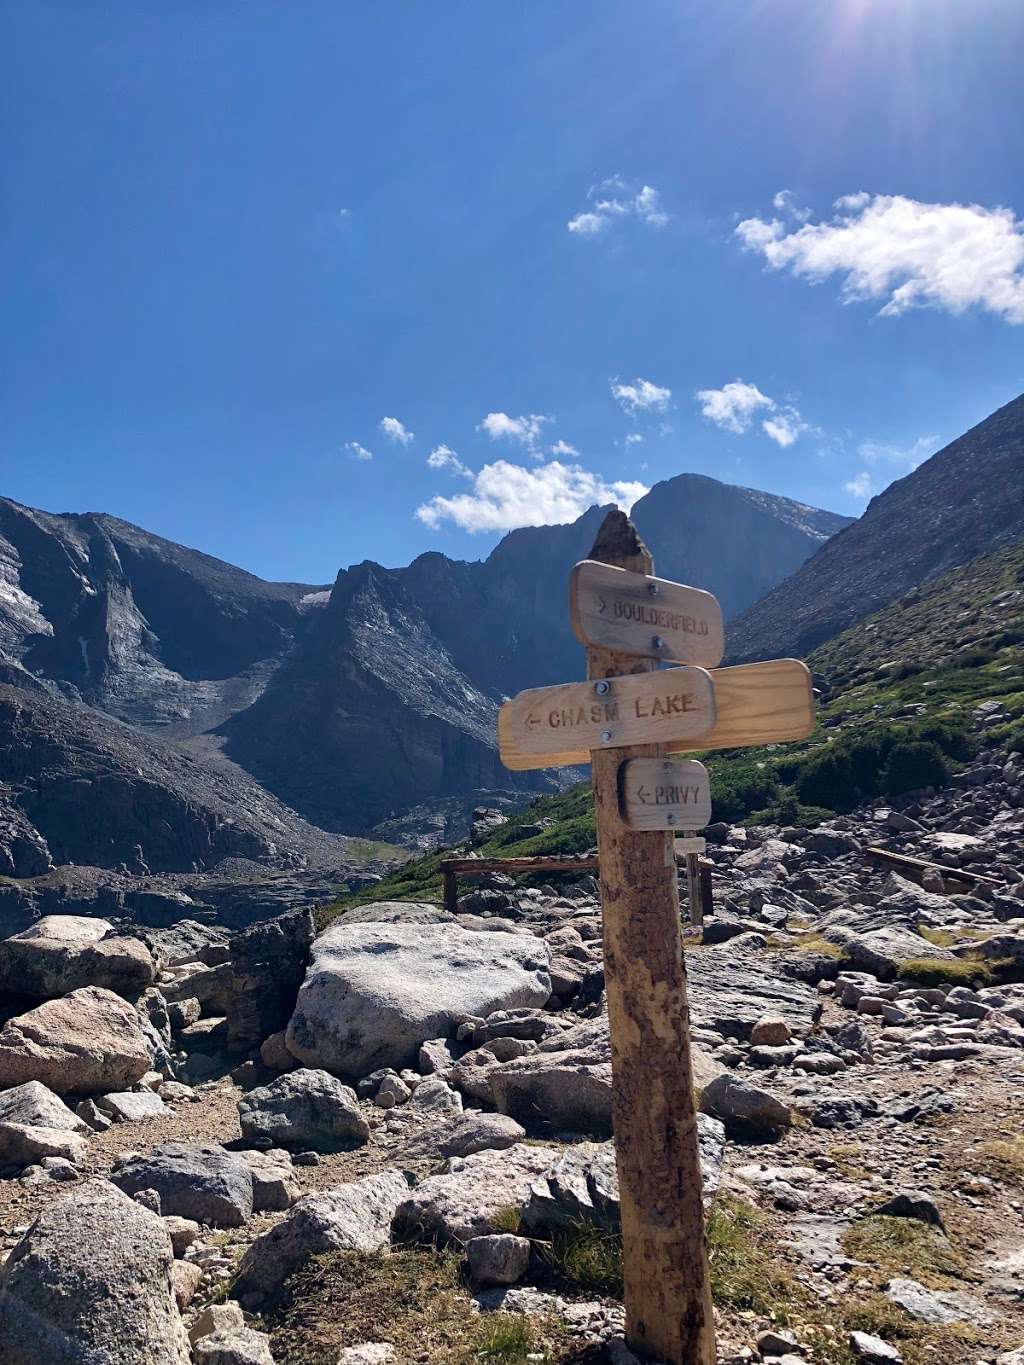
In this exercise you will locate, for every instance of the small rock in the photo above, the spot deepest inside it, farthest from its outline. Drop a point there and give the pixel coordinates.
(371, 1353)
(149, 1199)
(235, 1346)
(183, 1232)
(216, 1317)
(912, 1204)
(771, 1030)
(185, 1278)
(776, 1343)
(306, 1159)
(873, 1350)
(498, 1259)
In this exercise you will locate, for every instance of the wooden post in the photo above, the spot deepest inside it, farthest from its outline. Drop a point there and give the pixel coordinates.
(707, 897)
(451, 890)
(665, 1269)
(693, 889)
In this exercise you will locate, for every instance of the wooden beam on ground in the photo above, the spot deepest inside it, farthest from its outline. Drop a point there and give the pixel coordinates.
(920, 865)
(664, 1256)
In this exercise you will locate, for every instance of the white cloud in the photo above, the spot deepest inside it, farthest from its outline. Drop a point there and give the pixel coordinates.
(860, 486)
(633, 438)
(909, 456)
(396, 431)
(443, 457)
(785, 202)
(505, 496)
(525, 431)
(735, 406)
(950, 257)
(611, 200)
(357, 451)
(641, 396)
(561, 447)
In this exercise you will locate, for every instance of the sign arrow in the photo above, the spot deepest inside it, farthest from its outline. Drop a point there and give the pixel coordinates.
(601, 604)
(642, 794)
(532, 720)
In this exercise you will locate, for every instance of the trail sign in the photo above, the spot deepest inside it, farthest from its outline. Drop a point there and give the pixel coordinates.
(644, 615)
(664, 793)
(548, 727)
(767, 703)
(625, 721)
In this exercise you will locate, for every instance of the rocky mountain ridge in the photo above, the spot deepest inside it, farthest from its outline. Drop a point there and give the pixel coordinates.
(137, 658)
(965, 501)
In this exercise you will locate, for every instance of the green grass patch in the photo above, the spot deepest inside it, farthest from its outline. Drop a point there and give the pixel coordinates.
(958, 971)
(586, 1258)
(904, 1246)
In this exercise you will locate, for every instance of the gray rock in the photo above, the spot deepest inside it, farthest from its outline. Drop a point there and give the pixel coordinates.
(131, 1106)
(873, 1350)
(32, 1105)
(376, 992)
(86, 1043)
(274, 1183)
(463, 1202)
(216, 1317)
(353, 1217)
(745, 1109)
(202, 1182)
(912, 1204)
(305, 1108)
(438, 1055)
(21, 1145)
(567, 1090)
(91, 1281)
(582, 1186)
(435, 1097)
(94, 1117)
(182, 1232)
(475, 1132)
(369, 1353)
(935, 1306)
(233, 1346)
(500, 1258)
(62, 953)
(883, 951)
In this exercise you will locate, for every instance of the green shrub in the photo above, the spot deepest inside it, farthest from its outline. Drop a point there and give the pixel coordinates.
(913, 764)
(827, 780)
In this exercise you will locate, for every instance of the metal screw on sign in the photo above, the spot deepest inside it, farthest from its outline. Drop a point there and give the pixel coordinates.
(658, 642)
(602, 688)
(606, 736)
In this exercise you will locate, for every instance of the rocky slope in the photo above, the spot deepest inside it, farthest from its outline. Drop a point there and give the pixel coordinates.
(421, 1102)
(352, 705)
(966, 500)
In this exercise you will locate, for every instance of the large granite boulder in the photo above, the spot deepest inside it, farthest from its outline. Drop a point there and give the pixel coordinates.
(86, 1043)
(473, 1194)
(304, 1108)
(61, 953)
(91, 1281)
(202, 1182)
(353, 1217)
(34, 1106)
(375, 992)
(268, 963)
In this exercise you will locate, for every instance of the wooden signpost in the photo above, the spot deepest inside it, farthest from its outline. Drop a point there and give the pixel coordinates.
(664, 793)
(640, 614)
(629, 621)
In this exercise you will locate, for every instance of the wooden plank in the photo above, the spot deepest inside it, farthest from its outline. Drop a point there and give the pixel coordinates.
(640, 614)
(690, 844)
(566, 862)
(766, 703)
(548, 727)
(665, 793)
(919, 865)
(664, 1258)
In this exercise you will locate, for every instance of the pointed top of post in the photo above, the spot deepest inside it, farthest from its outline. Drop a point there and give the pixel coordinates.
(618, 542)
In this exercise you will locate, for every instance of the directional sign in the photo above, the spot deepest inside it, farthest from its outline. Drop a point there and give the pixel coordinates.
(664, 793)
(640, 614)
(548, 727)
(767, 703)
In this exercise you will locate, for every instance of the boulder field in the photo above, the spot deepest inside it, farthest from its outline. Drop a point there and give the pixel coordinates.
(178, 1141)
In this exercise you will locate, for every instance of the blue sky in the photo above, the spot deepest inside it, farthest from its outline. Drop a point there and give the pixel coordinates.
(548, 241)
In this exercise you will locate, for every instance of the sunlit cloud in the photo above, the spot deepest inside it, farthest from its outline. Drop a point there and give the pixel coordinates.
(396, 431)
(640, 396)
(506, 495)
(443, 457)
(613, 200)
(908, 254)
(737, 405)
(357, 451)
